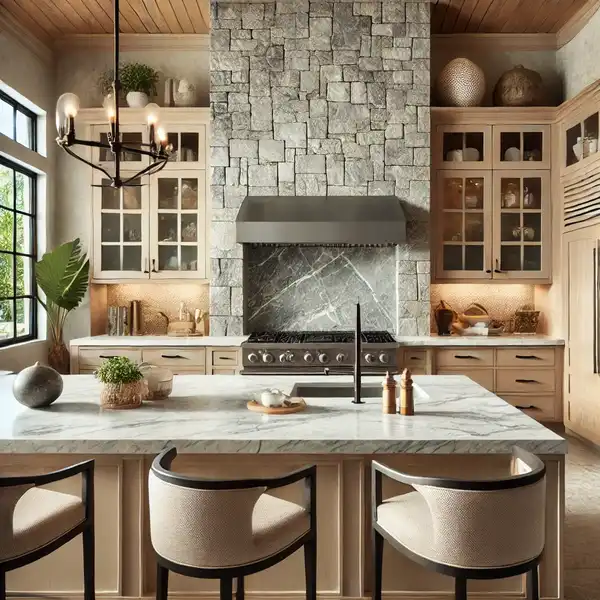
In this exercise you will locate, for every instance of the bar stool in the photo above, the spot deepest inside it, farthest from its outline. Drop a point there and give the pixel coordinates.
(35, 521)
(486, 529)
(216, 529)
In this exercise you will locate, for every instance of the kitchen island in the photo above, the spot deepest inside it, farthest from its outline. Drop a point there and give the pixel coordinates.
(459, 429)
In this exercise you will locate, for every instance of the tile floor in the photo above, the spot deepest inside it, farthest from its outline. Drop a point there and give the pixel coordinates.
(582, 526)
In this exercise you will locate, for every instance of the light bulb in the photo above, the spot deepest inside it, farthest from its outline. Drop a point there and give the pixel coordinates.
(109, 106)
(152, 113)
(162, 135)
(67, 107)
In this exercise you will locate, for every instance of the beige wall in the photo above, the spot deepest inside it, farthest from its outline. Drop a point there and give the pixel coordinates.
(32, 75)
(578, 61)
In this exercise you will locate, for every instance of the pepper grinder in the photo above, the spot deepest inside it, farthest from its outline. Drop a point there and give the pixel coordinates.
(407, 404)
(389, 395)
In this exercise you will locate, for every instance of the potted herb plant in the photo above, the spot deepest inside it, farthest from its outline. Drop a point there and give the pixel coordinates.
(124, 385)
(138, 82)
(63, 275)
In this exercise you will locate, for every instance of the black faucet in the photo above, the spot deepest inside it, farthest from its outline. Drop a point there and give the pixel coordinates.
(357, 352)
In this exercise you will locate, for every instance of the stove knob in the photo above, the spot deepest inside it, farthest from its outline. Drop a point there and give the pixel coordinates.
(341, 357)
(283, 357)
(253, 357)
(267, 357)
(384, 358)
(308, 357)
(323, 358)
(370, 358)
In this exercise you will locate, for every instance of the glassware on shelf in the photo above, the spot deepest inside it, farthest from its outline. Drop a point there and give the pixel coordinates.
(510, 195)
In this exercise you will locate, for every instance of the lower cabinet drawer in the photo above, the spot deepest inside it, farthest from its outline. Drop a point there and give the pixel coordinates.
(188, 371)
(464, 358)
(91, 358)
(184, 358)
(223, 371)
(525, 358)
(414, 360)
(224, 358)
(542, 408)
(484, 377)
(525, 381)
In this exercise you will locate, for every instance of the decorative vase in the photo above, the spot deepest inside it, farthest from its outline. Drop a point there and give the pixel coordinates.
(460, 83)
(121, 396)
(184, 93)
(37, 386)
(159, 380)
(519, 87)
(137, 99)
(59, 357)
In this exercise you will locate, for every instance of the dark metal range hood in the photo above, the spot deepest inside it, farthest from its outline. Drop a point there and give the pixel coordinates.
(321, 220)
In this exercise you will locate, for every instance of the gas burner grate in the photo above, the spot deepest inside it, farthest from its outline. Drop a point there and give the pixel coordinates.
(318, 337)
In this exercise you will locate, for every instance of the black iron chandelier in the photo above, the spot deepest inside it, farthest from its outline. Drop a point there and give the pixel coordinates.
(157, 148)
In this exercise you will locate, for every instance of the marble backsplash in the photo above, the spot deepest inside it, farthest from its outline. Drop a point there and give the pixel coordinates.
(317, 288)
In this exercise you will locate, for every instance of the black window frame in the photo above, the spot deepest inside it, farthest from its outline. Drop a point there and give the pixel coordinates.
(32, 296)
(19, 108)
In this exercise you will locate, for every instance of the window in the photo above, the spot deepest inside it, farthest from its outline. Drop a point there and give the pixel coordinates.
(18, 122)
(18, 305)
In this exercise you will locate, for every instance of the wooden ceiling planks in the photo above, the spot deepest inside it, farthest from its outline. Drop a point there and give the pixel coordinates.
(503, 16)
(50, 20)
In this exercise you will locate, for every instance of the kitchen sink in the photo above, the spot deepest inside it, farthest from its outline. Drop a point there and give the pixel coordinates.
(335, 390)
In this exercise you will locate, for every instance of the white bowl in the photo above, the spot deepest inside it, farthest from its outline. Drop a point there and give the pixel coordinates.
(471, 154)
(512, 154)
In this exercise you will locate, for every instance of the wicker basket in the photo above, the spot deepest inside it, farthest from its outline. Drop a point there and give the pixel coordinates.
(460, 83)
(526, 321)
(121, 396)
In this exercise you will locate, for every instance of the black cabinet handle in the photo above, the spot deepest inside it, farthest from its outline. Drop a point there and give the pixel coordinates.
(530, 407)
(465, 357)
(527, 357)
(225, 358)
(107, 356)
(154, 266)
(498, 269)
(488, 271)
(526, 381)
(414, 358)
(172, 356)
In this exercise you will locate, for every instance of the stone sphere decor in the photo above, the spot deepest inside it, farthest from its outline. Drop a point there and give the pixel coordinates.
(460, 83)
(37, 386)
(519, 87)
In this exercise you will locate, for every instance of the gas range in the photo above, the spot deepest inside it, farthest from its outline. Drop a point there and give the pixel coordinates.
(312, 352)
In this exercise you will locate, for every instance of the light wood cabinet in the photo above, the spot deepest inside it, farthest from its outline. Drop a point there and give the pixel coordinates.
(521, 147)
(462, 147)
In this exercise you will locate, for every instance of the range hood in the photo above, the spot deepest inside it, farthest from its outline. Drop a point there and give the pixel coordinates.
(321, 220)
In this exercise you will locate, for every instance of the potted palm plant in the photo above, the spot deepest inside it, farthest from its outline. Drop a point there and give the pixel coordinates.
(63, 276)
(138, 82)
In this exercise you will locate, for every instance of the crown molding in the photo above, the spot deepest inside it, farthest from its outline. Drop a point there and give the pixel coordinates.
(136, 41)
(11, 27)
(577, 22)
(495, 42)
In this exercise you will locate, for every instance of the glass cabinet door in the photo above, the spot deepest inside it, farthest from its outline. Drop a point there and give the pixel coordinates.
(120, 231)
(178, 225)
(581, 140)
(463, 215)
(521, 147)
(463, 146)
(522, 225)
(188, 147)
(132, 136)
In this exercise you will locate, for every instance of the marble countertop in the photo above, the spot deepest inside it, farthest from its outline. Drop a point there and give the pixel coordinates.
(479, 340)
(208, 414)
(158, 340)
(427, 340)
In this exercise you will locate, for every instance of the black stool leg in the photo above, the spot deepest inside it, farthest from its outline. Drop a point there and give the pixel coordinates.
(310, 568)
(2, 585)
(460, 588)
(162, 582)
(89, 562)
(533, 584)
(377, 542)
(239, 590)
(226, 588)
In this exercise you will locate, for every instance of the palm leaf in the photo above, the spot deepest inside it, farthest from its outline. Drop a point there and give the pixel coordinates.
(63, 275)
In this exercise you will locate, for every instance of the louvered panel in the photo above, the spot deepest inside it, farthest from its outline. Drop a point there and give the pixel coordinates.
(582, 200)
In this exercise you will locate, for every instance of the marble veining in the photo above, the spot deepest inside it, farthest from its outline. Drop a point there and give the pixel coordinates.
(317, 288)
(208, 414)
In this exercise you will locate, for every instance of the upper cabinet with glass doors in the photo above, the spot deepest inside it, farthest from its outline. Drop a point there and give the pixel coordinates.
(521, 147)
(462, 147)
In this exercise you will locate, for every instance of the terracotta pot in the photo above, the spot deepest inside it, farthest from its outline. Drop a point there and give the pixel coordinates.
(59, 358)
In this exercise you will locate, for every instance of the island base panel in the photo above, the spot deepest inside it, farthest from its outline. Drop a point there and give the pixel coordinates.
(124, 557)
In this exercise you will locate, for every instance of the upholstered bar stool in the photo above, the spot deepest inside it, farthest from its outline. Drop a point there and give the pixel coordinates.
(225, 530)
(35, 521)
(486, 529)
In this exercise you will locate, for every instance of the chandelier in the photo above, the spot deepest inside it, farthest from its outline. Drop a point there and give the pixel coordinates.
(157, 147)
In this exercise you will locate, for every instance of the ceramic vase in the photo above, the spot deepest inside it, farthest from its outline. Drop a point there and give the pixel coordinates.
(137, 99)
(460, 83)
(37, 386)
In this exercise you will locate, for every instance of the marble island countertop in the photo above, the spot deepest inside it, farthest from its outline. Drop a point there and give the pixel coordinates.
(208, 414)
(223, 341)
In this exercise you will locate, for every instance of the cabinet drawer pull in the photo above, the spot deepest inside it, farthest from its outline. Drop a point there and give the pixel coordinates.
(527, 357)
(224, 358)
(415, 358)
(107, 356)
(530, 407)
(465, 356)
(172, 356)
(526, 381)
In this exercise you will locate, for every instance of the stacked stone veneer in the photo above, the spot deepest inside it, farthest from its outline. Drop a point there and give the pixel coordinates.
(316, 98)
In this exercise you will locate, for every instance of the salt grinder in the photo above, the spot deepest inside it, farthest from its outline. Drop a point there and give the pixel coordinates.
(407, 404)
(389, 395)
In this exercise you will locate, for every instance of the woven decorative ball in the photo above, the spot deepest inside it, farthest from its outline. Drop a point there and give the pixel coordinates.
(460, 83)
(519, 87)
